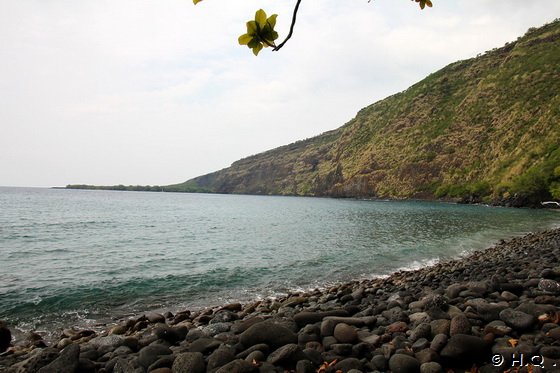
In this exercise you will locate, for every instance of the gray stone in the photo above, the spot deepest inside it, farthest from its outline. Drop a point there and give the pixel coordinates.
(438, 342)
(170, 334)
(191, 362)
(460, 324)
(549, 286)
(305, 366)
(345, 333)
(220, 357)
(37, 359)
(464, 348)
(154, 317)
(107, 344)
(349, 364)
(237, 366)
(431, 367)
(289, 353)
(517, 319)
(420, 344)
(267, 332)
(66, 362)
(401, 363)
(204, 345)
(440, 326)
(149, 354)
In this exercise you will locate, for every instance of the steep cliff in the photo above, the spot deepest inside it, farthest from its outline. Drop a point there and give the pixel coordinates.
(487, 128)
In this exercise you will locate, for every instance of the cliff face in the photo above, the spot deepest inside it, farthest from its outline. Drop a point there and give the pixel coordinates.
(484, 128)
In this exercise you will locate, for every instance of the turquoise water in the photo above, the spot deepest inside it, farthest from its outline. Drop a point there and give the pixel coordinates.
(87, 257)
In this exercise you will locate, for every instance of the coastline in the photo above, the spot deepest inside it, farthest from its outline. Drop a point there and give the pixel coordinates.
(500, 301)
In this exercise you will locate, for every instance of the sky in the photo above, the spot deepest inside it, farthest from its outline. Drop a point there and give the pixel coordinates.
(159, 91)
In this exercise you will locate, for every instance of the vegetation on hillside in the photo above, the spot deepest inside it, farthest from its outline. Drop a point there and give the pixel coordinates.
(484, 129)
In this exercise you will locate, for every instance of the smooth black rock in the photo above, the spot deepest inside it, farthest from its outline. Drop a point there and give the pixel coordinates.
(5, 337)
(237, 366)
(149, 354)
(219, 358)
(517, 319)
(86, 366)
(305, 366)
(170, 334)
(401, 363)
(66, 362)
(165, 361)
(460, 324)
(204, 345)
(288, 354)
(463, 348)
(269, 333)
(348, 364)
(191, 362)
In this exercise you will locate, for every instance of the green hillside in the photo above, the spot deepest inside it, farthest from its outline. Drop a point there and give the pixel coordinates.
(483, 129)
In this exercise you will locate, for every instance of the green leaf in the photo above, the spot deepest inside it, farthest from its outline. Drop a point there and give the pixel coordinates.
(260, 18)
(245, 39)
(271, 20)
(253, 43)
(196, 1)
(257, 49)
(251, 27)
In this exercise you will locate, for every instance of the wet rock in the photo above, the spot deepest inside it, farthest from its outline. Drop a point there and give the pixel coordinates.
(154, 317)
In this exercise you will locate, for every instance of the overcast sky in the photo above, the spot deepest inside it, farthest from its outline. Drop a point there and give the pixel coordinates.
(158, 91)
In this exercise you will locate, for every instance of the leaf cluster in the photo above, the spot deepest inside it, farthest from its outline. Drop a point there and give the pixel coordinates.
(260, 32)
(422, 3)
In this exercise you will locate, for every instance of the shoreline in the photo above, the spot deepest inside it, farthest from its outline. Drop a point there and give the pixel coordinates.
(455, 313)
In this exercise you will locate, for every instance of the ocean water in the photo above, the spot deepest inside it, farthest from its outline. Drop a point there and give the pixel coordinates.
(87, 258)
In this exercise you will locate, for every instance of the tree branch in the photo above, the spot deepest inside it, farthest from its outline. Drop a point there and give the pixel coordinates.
(291, 27)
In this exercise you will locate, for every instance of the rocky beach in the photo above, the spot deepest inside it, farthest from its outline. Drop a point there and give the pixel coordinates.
(495, 310)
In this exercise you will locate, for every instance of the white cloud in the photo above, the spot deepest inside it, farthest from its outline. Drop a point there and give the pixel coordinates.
(152, 92)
